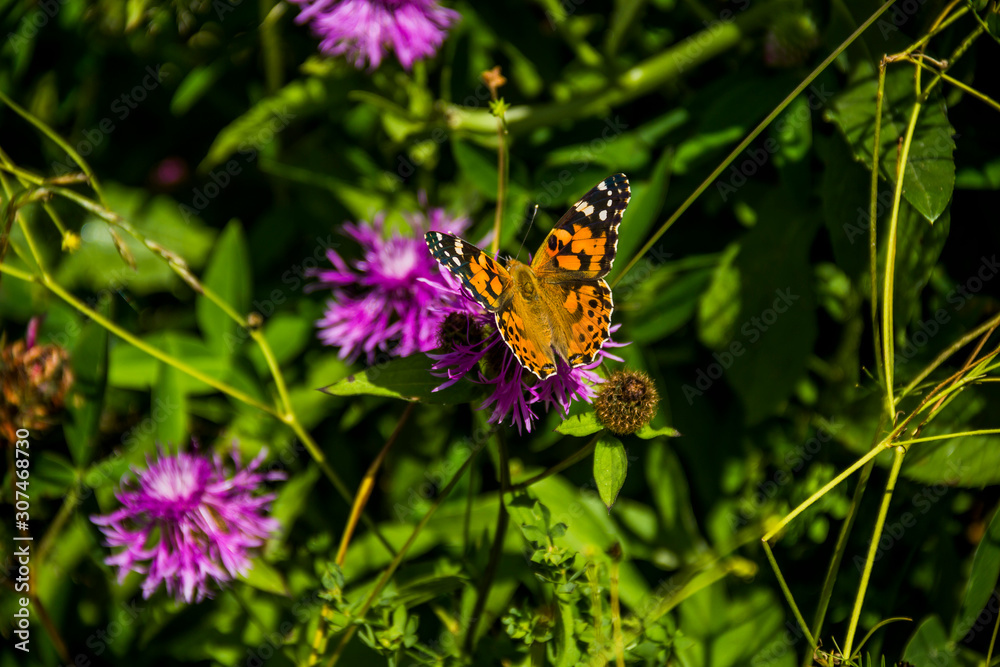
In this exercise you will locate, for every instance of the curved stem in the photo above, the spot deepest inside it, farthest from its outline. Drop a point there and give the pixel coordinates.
(58, 140)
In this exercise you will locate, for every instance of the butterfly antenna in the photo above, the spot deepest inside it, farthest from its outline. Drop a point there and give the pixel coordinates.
(531, 221)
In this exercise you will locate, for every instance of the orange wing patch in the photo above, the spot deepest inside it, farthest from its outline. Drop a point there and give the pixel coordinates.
(585, 319)
(532, 355)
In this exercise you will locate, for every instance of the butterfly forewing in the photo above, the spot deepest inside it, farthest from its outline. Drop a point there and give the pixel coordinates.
(486, 281)
(584, 241)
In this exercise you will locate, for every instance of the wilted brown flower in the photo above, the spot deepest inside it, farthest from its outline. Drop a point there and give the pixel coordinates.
(34, 380)
(627, 402)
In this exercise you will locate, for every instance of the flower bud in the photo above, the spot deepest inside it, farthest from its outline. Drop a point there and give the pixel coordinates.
(627, 401)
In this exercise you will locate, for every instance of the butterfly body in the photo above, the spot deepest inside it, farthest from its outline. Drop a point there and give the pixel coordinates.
(559, 306)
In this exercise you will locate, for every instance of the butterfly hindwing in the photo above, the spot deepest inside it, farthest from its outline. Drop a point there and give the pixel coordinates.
(584, 241)
(485, 280)
(524, 341)
(584, 318)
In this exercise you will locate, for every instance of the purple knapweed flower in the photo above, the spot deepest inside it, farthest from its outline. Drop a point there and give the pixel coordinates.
(186, 520)
(515, 391)
(365, 29)
(389, 300)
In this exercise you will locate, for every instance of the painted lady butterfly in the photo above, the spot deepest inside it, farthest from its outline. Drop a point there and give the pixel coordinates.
(560, 305)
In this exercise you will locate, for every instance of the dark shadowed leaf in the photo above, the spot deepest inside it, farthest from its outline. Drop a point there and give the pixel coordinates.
(930, 169)
(408, 378)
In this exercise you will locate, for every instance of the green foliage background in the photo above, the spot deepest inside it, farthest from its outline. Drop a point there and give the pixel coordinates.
(752, 314)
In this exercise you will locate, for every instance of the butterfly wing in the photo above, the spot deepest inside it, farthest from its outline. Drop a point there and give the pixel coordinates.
(485, 280)
(582, 319)
(584, 241)
(531, 345)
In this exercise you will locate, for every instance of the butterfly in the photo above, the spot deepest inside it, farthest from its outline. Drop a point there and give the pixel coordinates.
(559, 306)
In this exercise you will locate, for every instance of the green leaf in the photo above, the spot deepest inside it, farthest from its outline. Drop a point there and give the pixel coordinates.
(97, 265)
(982, 580)
(408, 378)
(477, 165)
(193, 87)
(929, 645)
(719, 307)
(169, 412)
(580, 425)
(610, 467)
(258, 125)
(266, 578)
(930, 168)
(228, 276)
(778, 317)
(647, 432)
(844, 191)
(90, 370)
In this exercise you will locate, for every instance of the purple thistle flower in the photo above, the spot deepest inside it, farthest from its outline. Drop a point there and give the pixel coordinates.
(363, 29)
(514, 390)
(391, 299)
(191, 519)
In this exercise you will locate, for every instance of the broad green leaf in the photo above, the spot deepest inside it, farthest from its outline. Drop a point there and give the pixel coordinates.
(930, 168)
(97, 265)
(982, 580)
(228, 276)
(265, 577)
(90, 369)
(51, 474)
(259, 125)
(844, 191)
(408, 378)
(929, 645)
(647, 432)
(720, 306)
(778, 317)
(132, 368)
(610, 467)
(169, 411)
(580, 425)
(478, 165)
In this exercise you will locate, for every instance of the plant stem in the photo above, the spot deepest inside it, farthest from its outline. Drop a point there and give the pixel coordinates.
(749, 138)
(59, 141)
(398, 558)
(579, 455)
(897, 463)
(616, 615)
(496, 549)
(873, 220)
(888, 331)
(368, 484)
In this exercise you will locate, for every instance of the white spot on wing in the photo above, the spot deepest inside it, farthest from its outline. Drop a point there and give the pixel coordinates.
(602, 186)
(456, 261)
(610, 202)
(603, 215)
